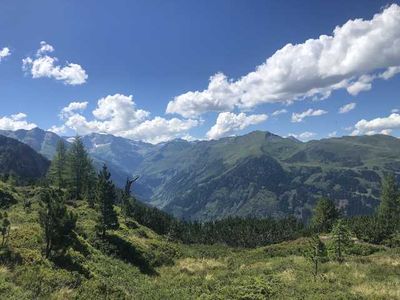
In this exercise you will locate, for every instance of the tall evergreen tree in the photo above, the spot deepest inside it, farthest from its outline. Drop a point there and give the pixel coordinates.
(57, 223)
(389, 208)
(57, 170)
(90, 185)
(79, 169)
(325, 215)
(105, 196)
(341, 239)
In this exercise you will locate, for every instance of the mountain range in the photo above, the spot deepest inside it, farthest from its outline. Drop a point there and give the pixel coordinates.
(20, 160)
(258, 174)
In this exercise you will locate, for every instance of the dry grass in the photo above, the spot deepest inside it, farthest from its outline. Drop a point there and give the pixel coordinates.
(287, 275)
(378, 290)
(387, 260)
(199, 266)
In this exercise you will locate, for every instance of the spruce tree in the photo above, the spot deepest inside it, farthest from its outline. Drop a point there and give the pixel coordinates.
(57, 223)
(79, 169)
(389, 208)
(90, 185)
(341, 239)
(105, 196)
(57, 171)
(325, 215)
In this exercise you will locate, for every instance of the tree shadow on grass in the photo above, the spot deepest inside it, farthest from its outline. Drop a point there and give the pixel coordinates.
(128, 253)
(68, 263)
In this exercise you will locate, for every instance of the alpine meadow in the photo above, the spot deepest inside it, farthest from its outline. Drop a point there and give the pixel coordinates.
(224, 149)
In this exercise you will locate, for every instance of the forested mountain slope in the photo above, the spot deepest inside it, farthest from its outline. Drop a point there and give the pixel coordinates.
(258, 174)
(20, 160)
(261, 174)
(41, 141)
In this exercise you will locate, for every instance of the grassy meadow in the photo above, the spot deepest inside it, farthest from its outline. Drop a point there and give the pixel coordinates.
(133, 262)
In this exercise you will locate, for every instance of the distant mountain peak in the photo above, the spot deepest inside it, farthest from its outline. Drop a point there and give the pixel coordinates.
(291, 137)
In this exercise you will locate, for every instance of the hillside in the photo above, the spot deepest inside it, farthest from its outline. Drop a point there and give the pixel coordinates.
(136, 263)
(20, 160)
(43, 142)
(259, 174)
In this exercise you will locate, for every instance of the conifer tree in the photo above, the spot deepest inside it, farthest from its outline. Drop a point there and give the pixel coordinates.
(105, 196)
(5, 228)
(90, 186)
(57, 171)
(57, 223)
(341, 239)
(325, 215)
(389, 208)
(79, 169)
(316, 253)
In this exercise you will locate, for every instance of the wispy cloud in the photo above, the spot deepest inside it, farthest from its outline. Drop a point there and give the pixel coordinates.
(299, 117)
(304, 136)
(279, 112)
(346, 108)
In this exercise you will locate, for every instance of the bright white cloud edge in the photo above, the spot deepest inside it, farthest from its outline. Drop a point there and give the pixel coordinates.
(228, 123)
(348, 59)
(118, 115)
(44, 65)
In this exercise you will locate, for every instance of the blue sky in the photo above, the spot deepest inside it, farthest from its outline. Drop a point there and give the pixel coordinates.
(140, 57)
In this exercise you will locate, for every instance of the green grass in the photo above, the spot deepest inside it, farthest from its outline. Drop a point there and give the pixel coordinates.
(136, 263)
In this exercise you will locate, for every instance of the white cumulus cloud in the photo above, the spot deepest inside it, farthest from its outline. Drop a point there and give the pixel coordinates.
(159, 130)
(378, 125)
(299, 117)
(15, 122)
(349, 59)
(347, 107)
(227, 123)
(43, 65)
(4, 53)
(73, 108)
(118, 115)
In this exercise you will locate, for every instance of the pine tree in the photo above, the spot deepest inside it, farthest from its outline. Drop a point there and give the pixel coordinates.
(79, 169)
(389, 208)
(57, 223)
(5, 228)
(325, 215)
(105, 196)
(57, 171)
(341, 239)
